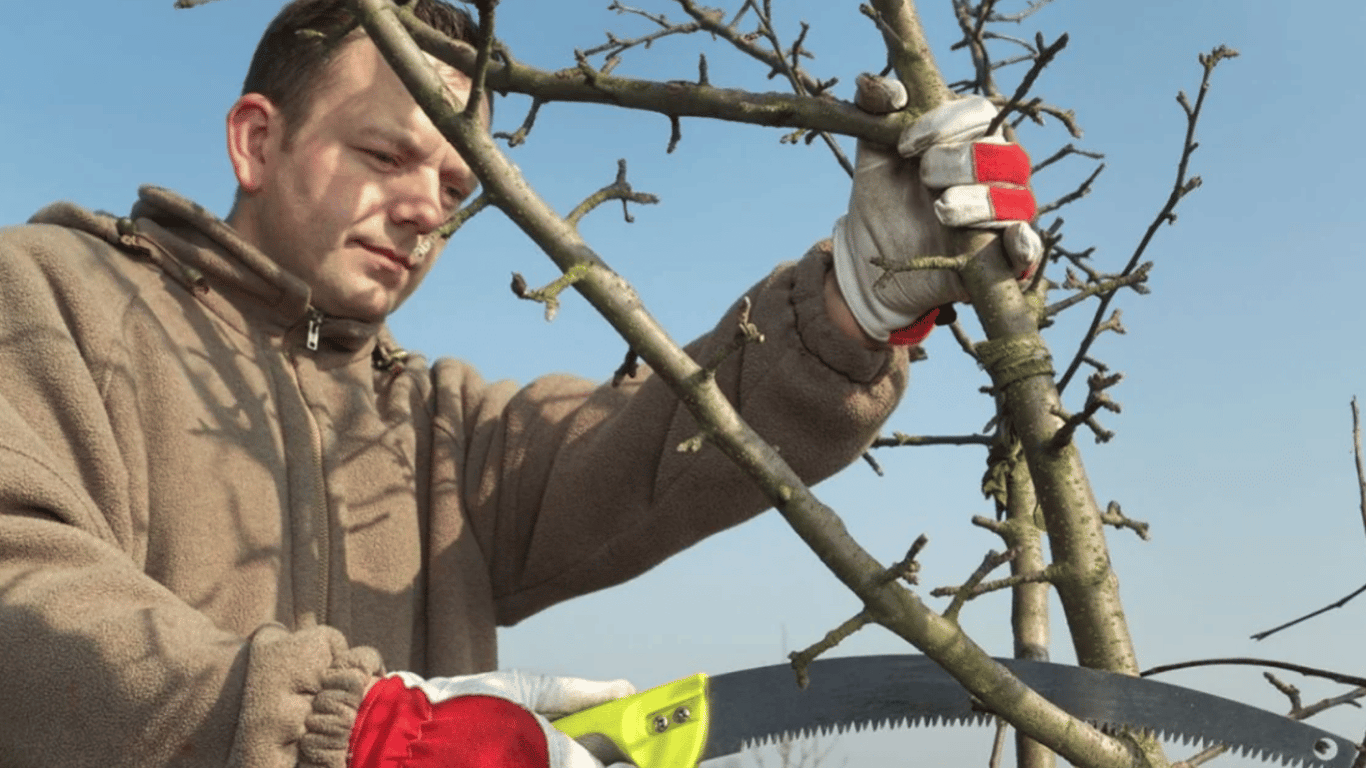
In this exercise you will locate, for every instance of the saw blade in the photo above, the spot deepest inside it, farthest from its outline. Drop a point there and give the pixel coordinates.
(754, 707)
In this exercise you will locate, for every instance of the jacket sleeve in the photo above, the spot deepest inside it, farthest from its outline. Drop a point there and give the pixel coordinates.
(572, 487)
(100, 664)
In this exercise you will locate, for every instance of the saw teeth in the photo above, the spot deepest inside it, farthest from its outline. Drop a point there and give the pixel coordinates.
(978, 718)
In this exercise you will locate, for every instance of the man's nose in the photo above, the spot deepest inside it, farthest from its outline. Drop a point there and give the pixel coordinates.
(418, 201)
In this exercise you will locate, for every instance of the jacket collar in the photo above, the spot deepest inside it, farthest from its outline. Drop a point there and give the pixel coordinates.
(253, 283)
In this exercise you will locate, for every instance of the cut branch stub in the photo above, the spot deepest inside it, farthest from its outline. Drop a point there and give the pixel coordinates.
(620, 189)
(550, 294)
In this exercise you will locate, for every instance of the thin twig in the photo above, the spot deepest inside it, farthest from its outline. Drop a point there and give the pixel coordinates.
(902, 439)
(961, 595)
(620, 189)
(998, 744)
(1180, 188)
(873, 463)
(1096, 399)
(1338, 604)
(777, 59)
(907, 567)
(1081, 191)
(746, 332)
(971, 25)
(466, 212)
(518, 137)
(615, 46)
(1114, 516)
(550, 294)
(1045, 57)
(964, 341)
(802, 659)
(1361, 481)
(977, 590)
(1336, 677)
(1356, 449)
(1133, 280)
(1070, 149)
(628, 369)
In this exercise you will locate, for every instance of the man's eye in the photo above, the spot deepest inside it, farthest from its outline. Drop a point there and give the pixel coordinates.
(383, 157)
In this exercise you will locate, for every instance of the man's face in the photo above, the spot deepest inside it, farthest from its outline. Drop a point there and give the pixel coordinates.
(364, 179)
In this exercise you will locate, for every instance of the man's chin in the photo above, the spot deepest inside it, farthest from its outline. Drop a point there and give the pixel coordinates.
(371, 308)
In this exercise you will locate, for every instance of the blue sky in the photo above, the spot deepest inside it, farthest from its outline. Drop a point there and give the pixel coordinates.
(1235, 439)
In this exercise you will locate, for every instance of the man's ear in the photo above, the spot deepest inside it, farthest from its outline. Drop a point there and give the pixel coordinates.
(254, 125)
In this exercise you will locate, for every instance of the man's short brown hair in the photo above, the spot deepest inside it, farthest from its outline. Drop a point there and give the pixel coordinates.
(290, 65)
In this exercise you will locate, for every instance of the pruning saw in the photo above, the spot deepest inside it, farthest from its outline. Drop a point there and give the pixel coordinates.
(701, 717)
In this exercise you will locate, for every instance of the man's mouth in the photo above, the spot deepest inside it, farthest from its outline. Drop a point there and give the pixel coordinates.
(402, 261)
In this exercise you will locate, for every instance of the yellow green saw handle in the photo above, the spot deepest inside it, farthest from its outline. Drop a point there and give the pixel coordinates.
(664, 727)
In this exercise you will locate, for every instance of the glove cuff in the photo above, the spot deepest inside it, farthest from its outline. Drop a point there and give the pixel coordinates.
(915, 332)
(875, 318)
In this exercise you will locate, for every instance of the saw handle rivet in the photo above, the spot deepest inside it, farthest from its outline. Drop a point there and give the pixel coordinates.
(661, 723)
(681, 715)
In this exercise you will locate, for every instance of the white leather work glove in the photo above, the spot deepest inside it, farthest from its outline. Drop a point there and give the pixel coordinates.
(496, 718)
(944, 172)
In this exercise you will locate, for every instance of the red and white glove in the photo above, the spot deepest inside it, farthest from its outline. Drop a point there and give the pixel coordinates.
(945, 172)
(493, 720)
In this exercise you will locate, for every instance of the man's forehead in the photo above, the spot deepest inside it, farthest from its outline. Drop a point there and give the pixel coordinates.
(360, 62)
(361, 88)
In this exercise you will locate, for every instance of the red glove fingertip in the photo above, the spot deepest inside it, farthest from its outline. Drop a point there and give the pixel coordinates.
(1012, 204)
(1003, 163)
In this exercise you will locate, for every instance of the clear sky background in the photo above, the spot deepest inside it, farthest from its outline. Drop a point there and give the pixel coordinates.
(1235, 439)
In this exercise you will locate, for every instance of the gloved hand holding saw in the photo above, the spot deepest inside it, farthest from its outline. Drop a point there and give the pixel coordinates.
(475, 721)
(944, 172)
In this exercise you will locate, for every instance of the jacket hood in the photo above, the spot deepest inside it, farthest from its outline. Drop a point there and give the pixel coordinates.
(198, 249)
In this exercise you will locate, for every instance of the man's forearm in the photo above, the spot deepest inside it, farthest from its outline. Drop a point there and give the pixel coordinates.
(842, 317)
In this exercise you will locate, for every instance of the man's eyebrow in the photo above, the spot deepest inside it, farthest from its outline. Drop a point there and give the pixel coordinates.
(405, 145)
(389, 135)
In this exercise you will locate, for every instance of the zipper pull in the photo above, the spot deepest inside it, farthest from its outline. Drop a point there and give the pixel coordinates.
(315, 326)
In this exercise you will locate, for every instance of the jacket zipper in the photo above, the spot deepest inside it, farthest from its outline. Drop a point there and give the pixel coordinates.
(324, 533)
(323, 536)
(315, 327)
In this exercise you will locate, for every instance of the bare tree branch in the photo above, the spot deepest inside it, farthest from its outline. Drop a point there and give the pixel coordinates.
(1336, 677)
(1013, 354)
(901, 438)
(1070, 149)
(1356, 451)
(1180, 188)
(1044, 58)
(674, 98)
(1098, 287)
(969, 589)
(891, 605)
(801, 660)
(1361, 482)
(617, 190)
(1337, 604)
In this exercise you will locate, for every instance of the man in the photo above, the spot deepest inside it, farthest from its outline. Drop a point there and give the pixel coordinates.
(230, 509)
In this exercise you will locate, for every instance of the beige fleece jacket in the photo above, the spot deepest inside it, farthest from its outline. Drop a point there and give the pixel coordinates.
(213, 538)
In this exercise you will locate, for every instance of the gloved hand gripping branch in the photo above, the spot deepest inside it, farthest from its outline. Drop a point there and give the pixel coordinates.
(944, 172)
